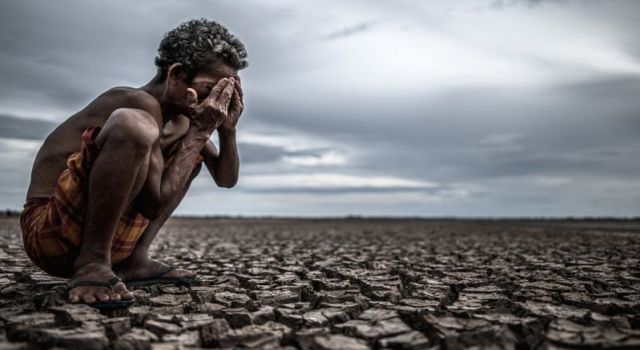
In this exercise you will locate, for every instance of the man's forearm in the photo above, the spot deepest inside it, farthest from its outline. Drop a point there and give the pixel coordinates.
(178, 167)
(228, 165)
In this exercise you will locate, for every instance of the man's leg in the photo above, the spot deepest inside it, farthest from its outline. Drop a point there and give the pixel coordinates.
(139, 265)
(116, 176)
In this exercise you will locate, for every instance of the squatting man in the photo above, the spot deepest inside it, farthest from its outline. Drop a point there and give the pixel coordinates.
(108, 177)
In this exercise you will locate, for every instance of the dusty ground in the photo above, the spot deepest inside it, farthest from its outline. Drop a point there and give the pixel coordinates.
(354, 284)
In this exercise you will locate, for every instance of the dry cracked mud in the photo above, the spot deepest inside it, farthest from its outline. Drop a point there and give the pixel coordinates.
(351, 284)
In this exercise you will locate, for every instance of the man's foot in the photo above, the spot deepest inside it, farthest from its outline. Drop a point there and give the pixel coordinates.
(146, 268)
(92, 294)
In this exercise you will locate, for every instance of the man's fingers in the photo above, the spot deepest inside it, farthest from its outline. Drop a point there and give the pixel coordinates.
(225, 95)
(236, 100)
(217, 89)
(238, 90)
(192, 97)
(239, 85)
(192, 100)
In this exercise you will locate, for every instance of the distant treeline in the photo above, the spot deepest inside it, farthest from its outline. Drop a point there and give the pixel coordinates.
(427, 218)
(10, 213)
(16, 213)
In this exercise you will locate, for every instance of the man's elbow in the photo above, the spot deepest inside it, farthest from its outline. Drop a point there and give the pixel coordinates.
(226, 183)
(151, 213)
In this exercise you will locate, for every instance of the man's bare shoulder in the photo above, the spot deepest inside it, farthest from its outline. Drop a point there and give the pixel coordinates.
(126, 97)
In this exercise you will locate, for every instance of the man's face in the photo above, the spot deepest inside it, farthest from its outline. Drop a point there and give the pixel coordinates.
(205, 80)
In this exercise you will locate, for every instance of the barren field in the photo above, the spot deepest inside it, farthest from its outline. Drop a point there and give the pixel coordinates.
(352, 284)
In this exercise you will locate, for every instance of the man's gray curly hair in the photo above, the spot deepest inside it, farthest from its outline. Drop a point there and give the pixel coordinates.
(197, 44)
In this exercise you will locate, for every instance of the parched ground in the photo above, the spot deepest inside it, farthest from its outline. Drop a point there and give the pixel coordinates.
(352, 284)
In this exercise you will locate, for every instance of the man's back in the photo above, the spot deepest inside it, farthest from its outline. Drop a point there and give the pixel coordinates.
(65, 139)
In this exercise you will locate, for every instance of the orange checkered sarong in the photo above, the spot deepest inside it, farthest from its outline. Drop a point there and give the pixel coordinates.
(52, 227)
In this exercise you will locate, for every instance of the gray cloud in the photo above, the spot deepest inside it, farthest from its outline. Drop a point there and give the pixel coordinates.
(344, 32)
(24, 128)
(567, 145)
(573, 137)
(330, 191)
(500, 4)
(259, 153)
(253, 153)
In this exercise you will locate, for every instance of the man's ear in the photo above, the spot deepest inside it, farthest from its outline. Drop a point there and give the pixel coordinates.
(177, 72)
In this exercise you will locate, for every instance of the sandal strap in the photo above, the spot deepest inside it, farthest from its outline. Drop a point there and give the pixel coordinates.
(78, 283)
(109, 284)
(112, 282)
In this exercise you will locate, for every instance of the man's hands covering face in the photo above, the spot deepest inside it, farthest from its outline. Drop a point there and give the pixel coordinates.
(214, 110)
(235, 108)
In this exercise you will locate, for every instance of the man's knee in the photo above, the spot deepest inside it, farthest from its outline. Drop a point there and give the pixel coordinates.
(133, 130)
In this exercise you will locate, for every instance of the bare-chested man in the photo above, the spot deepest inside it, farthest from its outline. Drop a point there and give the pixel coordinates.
(107, 178)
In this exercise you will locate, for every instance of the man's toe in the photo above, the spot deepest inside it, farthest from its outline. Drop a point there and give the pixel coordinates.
(181, 273)
(122, 290)
(102, 296)
(88, 299)
(120, 287)
(114, 296)
(126, 295)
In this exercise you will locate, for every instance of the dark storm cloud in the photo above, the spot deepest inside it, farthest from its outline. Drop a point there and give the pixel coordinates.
(55, 57)
(613, 87)
(591, 131)
(361, 27)
(23, 128)
(260, 153)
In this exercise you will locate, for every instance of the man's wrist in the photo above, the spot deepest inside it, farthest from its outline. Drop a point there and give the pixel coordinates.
(227, 131)
(199, 133)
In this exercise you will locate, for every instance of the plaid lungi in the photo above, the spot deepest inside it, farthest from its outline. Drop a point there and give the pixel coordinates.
(52, 228)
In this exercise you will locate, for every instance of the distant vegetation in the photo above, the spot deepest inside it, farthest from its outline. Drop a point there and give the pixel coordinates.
(10, 213)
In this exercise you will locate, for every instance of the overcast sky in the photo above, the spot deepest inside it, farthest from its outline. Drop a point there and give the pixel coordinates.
(427, 108)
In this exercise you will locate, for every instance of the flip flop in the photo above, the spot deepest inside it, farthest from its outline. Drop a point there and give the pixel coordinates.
(158, 279)
(102, 305)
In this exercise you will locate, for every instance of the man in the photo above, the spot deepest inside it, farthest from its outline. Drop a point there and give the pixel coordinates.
(107, 178)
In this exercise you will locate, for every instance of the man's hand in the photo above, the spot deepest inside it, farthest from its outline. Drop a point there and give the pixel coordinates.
(235, 108)
(213, 111)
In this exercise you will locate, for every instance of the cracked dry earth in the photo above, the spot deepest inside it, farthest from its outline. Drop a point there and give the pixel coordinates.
(352, 284)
